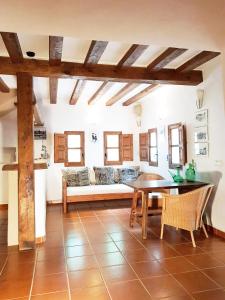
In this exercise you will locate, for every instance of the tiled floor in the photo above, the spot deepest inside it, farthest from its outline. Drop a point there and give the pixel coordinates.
(92, 254)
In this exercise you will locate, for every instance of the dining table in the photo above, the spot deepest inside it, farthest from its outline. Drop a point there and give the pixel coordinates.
(150, 186)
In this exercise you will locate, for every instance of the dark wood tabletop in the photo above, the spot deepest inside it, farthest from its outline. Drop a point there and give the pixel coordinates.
(150, 185)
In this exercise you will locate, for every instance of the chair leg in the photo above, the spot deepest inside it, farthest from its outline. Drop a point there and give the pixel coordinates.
(193, 239)
(162, 230)
(204, 229)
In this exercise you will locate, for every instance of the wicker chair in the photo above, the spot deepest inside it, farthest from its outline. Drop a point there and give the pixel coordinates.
(154, 202)
(185, 211)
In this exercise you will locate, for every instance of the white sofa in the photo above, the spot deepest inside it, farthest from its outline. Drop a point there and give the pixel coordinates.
(94, 192)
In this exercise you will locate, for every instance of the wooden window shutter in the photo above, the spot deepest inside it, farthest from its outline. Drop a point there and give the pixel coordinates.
(127, 147)
(143, 146)
(60, 148)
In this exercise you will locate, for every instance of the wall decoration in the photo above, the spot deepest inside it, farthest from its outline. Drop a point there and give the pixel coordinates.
(201, 134)
(201, 118)
(40, 133)
(201, 149)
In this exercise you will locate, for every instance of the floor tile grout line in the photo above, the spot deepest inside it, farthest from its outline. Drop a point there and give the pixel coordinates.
(138, 278)
(4, 265)
(64, 249)
(99, 267)
(33, 274)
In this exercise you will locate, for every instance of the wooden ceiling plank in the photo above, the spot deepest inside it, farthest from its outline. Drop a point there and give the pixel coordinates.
(37, 117)
(3, 86)
(104, 87)
(79, 86)
(93, 56)
(197, 61)
(133, 53)
(53, 89)
(165, 58)
(55, 56)
(125, 90)
(55, 50)
(41, 68)
(141, 94)
(12, 45)
(95, 52)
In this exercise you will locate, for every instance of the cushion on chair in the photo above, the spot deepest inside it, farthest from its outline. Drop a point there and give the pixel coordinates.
(104, 175)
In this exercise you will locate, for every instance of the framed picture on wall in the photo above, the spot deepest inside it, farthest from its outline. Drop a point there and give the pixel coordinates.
(202, 149)
(201, 118)
(201, 134)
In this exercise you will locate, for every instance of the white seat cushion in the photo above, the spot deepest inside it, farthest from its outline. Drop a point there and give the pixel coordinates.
(98, 189)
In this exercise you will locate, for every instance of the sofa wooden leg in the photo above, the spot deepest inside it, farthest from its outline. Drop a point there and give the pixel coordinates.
(64, 207)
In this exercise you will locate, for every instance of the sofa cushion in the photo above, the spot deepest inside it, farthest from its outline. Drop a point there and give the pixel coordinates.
(76, 177)
(99, 189)
(127, 174)
(104, 175)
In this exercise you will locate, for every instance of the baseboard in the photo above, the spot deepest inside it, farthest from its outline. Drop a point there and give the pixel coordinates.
(215, 231)
(53, 202)
(3, 206)
(40, 239)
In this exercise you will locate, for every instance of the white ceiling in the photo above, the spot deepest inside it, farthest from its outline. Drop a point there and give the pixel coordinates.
(193, 24)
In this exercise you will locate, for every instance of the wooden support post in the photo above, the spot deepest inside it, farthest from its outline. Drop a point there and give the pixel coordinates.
(25, 161)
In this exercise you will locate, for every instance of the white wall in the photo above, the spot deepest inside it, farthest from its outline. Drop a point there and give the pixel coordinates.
(171, 104)
(97, 119)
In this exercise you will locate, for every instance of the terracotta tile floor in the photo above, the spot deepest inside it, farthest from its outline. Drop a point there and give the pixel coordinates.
(92, 254)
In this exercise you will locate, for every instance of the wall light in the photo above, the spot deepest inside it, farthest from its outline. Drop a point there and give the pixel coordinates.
(200, 99)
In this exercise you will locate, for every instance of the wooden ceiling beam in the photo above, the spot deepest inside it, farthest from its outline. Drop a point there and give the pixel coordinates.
(3, 86)
(93, 56)
(37, 117)
(125, 90)
(197, 61)
(133, 53)
(165, 58)
(12, 45)
(55, 56)
(141, 94)
(95, 52)
(41, 68)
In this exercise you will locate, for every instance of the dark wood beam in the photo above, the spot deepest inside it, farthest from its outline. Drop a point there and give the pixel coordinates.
(104, 87)
(55, 50)
(93, 56)
(79, 87)
(37, 117)
(125, 90)
(141, 94)
(3, 86)
(25, 161)
(197, 61)
(41, 68)
(53, 89)
(55, 56)
(133, 53)
(95, 52)
(12, 45)
(165, 58)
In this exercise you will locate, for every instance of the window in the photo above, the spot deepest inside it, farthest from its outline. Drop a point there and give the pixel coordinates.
(127, 147)
(112, 147)
(177, 145)
(143, 146)
(69, 148)
(153, 147)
